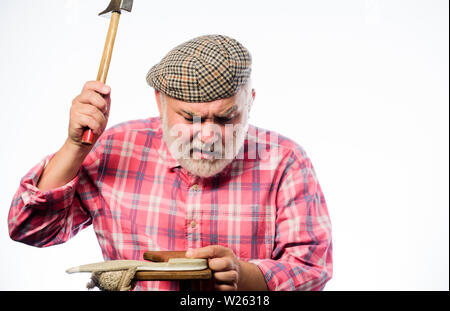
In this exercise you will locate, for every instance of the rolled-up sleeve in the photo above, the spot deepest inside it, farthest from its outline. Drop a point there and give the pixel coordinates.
(302, 254)
(47, 218)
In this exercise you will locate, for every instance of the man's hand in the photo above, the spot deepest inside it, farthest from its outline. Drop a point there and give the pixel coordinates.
(229, 272)
(89, 109)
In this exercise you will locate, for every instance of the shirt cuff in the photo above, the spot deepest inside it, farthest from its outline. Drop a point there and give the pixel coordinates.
(284, 275)
(57, 198)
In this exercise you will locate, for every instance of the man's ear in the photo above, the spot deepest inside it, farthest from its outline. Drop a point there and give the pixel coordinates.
(158, 102)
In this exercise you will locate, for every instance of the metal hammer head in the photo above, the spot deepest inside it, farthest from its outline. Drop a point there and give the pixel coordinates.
(118, 6)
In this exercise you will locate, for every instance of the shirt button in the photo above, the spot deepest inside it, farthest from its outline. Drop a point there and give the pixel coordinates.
(195, 187)
(193, 224)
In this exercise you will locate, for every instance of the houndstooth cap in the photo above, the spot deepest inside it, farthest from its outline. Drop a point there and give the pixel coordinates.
(203, 69)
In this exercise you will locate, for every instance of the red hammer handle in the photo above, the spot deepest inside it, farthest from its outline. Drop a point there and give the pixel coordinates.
(88, 135)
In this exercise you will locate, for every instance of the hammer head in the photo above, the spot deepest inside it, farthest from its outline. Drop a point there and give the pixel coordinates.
(117, 6)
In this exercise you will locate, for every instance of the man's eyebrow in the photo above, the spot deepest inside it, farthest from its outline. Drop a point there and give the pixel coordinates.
(222, 114)
(227, 111)
(188, 112)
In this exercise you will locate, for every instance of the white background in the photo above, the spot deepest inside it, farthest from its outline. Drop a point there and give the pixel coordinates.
(361, 85)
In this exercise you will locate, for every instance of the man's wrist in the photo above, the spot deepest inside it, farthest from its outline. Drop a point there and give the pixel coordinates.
(76, 151)
(251, 277)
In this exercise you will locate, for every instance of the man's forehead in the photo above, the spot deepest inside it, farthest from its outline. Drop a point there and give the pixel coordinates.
(219, 107)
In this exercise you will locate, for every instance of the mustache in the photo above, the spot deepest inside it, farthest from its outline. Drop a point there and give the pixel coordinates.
(213, 149)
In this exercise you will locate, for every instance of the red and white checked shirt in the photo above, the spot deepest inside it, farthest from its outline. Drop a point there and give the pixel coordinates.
(269, 210)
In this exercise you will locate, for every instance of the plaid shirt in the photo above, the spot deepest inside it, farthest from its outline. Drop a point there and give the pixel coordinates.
(269, 210)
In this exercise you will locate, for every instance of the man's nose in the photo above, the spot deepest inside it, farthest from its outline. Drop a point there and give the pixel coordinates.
(209, 132)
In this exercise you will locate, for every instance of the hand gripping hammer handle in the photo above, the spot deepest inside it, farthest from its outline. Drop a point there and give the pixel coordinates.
(88, 135)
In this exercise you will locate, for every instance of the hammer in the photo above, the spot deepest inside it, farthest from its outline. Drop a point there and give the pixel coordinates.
(114, 8)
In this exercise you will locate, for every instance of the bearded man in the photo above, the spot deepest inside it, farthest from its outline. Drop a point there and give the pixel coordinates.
(197, 178)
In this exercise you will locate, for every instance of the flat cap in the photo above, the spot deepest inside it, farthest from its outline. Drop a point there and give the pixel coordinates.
(203, 69)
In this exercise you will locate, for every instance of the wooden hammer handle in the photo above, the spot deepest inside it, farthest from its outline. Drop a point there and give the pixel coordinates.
(88, 135)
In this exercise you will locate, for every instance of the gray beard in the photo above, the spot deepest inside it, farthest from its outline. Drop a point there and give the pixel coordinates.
(204, 167)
